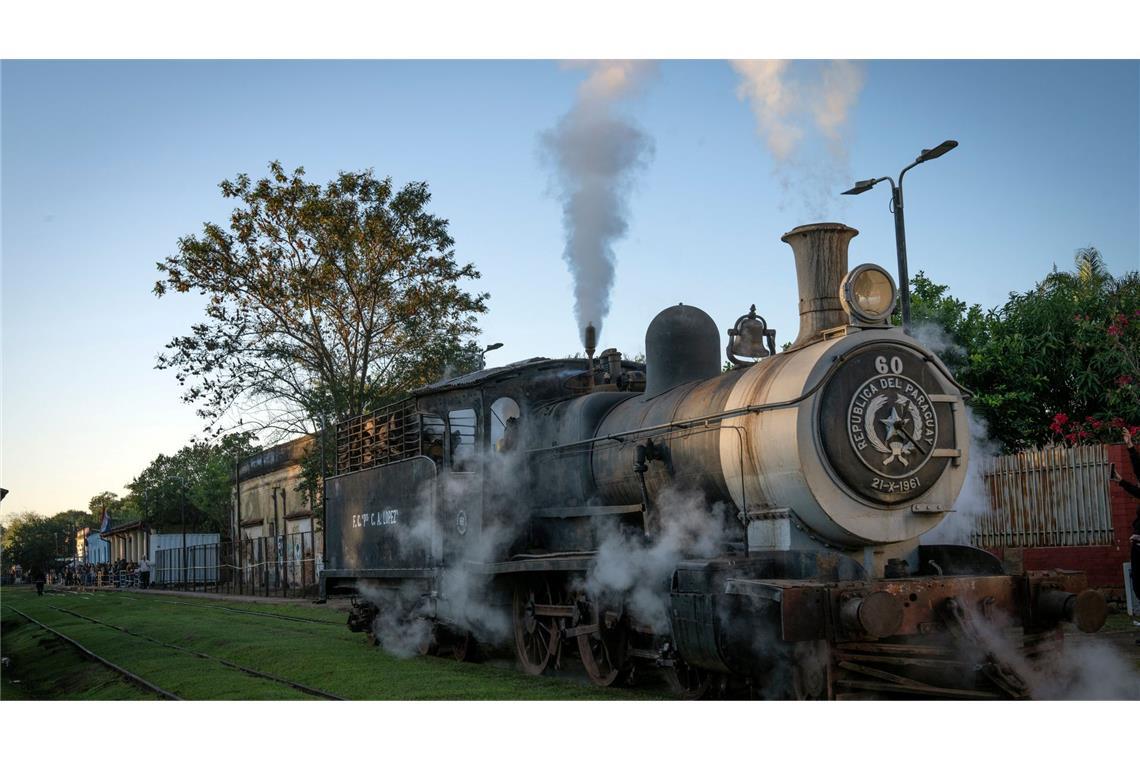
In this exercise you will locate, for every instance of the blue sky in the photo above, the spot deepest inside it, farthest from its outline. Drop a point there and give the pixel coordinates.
(105, 164)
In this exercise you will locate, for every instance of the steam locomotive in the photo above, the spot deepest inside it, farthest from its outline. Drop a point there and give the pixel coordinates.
(786, 496)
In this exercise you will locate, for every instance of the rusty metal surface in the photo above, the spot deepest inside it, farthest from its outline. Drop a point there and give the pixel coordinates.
(1048, 497)
(946, 666)
(916, 689)
(805, 614)
(922, 599)
(865, 611)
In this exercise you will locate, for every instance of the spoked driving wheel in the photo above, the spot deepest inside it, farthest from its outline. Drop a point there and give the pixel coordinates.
(689, 682)
(536, 637)
(464, 648)
(428, 645)
(602, 643)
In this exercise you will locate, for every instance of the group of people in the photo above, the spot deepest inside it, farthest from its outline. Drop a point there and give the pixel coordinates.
(117, 573)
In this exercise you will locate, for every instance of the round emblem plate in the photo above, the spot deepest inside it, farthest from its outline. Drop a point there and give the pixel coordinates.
(879, 427)
(892, 425)
(461, 522)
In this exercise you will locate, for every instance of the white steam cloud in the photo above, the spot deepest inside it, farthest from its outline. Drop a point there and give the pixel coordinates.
(804, 120)
(1081, 668)
(1084, 668)
(974, 499)
(400, 626)
(636, 570)
(596, 153)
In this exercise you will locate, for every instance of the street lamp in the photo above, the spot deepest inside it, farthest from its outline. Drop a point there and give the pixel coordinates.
(863, 185)
(182, 508)
(483, 354)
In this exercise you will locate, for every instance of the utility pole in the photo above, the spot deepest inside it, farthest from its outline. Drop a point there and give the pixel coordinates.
(182, 502)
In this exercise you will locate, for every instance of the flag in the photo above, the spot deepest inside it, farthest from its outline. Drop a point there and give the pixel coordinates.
(106, 522)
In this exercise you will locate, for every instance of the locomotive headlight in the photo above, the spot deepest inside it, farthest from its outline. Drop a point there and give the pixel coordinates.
(868, 293)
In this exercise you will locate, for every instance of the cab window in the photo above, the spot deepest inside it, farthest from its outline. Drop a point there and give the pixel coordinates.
(433, 433)
(463, 426)
(504, 424)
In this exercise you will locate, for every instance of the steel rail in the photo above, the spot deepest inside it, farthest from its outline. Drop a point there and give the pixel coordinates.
(229, 664)
(102, 660)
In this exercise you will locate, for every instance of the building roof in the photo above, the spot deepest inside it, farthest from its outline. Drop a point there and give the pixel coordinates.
(278, 457)
(491, 373)
(126, 527)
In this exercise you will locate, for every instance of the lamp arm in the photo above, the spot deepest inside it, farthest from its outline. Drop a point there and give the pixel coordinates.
(904, 171)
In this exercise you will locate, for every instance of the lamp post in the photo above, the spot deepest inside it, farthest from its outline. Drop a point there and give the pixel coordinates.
(182, 507)
(863, 185)
(483, 354)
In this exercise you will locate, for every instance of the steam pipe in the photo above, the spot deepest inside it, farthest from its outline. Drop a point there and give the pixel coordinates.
(741, 411)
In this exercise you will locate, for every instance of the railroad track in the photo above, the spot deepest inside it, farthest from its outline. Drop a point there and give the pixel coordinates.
(313, 691)
(133, 677)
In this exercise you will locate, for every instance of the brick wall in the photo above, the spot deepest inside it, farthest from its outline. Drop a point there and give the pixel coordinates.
(1101, 563)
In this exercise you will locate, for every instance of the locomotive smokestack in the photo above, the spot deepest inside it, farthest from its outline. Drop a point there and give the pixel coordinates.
(821, 263)
(591, 340)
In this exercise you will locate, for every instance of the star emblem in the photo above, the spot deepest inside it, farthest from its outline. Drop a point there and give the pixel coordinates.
(891, 422)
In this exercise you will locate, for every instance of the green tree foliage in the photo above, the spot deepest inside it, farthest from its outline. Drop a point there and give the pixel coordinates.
(35, 542)
(323, 302)
(196, 482)
(121, 509)
(952, 329)
(1068, 347)
(1059, 363)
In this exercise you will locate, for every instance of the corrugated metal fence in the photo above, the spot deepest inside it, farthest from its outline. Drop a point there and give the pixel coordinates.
(1048, 497)
(201, 566)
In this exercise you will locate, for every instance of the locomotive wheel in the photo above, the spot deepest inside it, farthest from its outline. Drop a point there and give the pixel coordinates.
(536, 639)
(810, 671)
(429, 645)
(689, 682)
(464, 648)
(603, 651)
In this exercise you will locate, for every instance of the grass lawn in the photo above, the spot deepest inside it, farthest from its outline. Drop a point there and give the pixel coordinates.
(324, 656)
(328, 657)
(43, 667)
(1119, 621)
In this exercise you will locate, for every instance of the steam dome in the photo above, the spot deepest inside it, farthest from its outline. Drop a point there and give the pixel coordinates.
(681, 345)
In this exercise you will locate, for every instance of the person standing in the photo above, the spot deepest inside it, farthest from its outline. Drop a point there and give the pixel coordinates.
(144, 573)
(39, 578)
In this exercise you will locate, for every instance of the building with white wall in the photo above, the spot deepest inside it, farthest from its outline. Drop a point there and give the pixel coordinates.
(91, 547)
